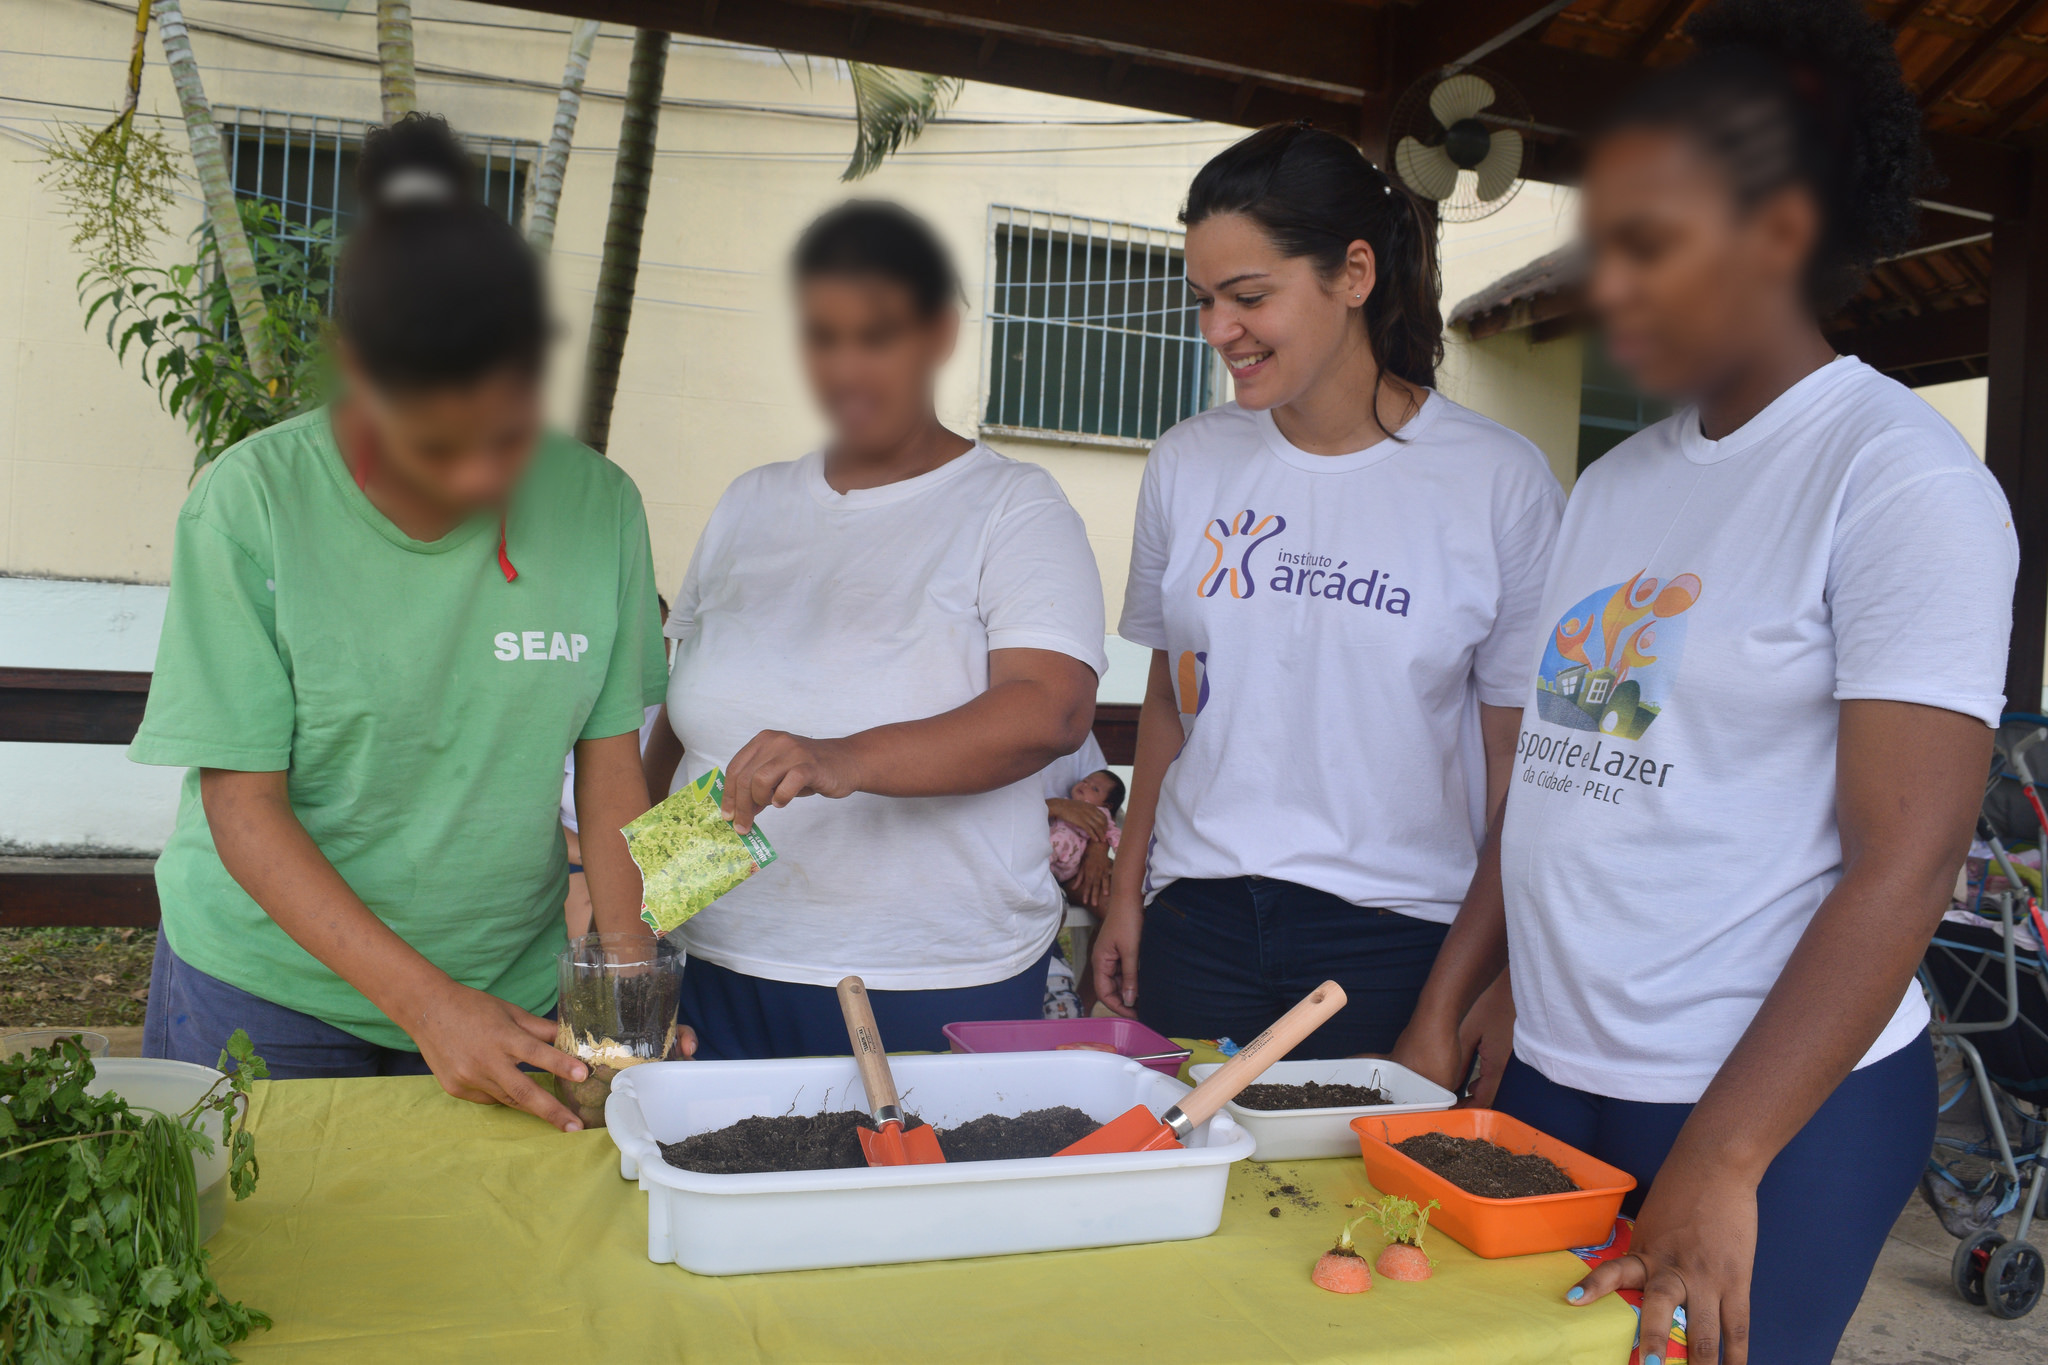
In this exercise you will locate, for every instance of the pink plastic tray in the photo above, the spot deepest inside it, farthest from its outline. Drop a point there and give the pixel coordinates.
(1127, 1036)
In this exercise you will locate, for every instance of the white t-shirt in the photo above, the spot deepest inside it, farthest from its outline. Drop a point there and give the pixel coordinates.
(1333, 623)
(1671, 829)
(824, 614)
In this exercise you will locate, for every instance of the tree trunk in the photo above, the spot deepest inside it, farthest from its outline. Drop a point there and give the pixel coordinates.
(613, 309)
(217, 187)
(131, 91)
(394, 59)
(554, 162)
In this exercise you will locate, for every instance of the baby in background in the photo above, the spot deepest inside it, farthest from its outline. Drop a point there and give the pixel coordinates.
(1087, 814)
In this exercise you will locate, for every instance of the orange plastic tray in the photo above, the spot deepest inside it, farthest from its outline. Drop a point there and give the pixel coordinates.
(1495, 1227)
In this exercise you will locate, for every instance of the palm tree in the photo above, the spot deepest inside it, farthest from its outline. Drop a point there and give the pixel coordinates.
(554, 162)
(890, 108)
(217, 187)
(612, 311)
(395, 82)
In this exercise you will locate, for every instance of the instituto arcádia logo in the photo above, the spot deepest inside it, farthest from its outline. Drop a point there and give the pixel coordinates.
(1234, 539)
(1610, 663)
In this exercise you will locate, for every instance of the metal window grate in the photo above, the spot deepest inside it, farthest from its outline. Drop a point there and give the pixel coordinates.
(1090, 330)
(306, 164)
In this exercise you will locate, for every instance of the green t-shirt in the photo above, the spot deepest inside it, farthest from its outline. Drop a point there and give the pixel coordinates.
(422, 703)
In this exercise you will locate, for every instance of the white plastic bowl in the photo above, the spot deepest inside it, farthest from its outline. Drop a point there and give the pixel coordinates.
(806, 1220)
(1305, 1134)
(172, 1088)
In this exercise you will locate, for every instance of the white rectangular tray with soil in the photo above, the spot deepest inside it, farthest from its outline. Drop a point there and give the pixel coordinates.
(1306, 1134)
(807, 1220)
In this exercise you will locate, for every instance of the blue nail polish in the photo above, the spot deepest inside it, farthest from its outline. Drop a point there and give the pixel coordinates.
(1576, 1293)
(1652, 1360)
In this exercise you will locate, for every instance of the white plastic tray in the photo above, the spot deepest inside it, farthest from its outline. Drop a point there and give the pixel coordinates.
(1304, 1134)
(805, 1220)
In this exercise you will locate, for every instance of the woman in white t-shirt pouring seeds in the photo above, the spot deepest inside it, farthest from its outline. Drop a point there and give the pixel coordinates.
(908, 622)
(1337, 575)
(1758, 729)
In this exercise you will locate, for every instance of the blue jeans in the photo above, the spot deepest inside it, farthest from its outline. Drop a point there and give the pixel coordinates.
(191, 1016)
(1225, 958)
(741, 1017)
(1824, 1208)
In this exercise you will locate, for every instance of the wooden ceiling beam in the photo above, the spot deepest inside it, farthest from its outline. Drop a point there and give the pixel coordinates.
(1188, 83)
(1963, 67)
(1932, 338)
(1198, 66)
(1661, 25)
(1471, 31)
(1570, 90)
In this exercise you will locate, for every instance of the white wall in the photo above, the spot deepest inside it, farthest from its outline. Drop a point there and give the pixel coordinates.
(1965, 403)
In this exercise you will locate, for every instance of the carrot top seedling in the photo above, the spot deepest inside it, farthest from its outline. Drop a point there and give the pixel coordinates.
(1343, 1269)
(1402, 1222)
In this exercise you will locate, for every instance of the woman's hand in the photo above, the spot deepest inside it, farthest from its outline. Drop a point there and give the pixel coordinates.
(1488, 1031)
(1089, 885)
(1115, 957)
(1433, 1050)
(475, 1044)
(1693, 1245)
(775, 768)
(1092, 821)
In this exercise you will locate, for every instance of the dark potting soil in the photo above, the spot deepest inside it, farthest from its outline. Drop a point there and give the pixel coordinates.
(827, 1142)
(788, 1142)
(1309, 1095)
(1482, 1168)
(1036, 1132)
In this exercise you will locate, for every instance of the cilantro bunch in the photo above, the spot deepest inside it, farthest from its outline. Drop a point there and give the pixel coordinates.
(100, 1259)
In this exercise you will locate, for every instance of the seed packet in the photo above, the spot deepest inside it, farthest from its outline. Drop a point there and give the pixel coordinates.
(689, 854)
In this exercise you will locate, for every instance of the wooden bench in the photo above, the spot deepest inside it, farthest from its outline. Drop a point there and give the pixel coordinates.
(79, 706)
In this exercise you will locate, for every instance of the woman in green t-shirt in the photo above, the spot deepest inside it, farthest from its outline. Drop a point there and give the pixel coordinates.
(389, 620)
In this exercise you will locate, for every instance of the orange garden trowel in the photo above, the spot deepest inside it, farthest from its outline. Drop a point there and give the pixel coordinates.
(1136, 1130)
(889, 1144)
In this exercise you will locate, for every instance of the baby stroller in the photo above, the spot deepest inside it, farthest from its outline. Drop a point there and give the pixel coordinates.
(1986, 976)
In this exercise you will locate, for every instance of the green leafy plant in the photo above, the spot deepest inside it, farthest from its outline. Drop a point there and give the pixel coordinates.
(100, 1260)
(1402, 1222)
(180, 322)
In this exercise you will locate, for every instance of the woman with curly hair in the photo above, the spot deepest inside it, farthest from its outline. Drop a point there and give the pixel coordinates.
(1758, 731)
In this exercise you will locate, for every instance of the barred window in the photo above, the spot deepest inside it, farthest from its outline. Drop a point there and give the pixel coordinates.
(1091, 331)
(1610, 409)
(306, 165)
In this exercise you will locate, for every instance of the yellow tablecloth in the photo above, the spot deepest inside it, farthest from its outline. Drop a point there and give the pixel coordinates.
(393, 1223)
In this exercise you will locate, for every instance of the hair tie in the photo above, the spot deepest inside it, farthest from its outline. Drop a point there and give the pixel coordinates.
(416, 185)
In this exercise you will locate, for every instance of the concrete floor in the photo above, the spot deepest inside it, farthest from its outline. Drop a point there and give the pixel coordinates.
(1910, 1314)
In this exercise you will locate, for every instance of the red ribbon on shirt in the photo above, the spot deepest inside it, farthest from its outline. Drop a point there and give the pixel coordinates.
(361, 470)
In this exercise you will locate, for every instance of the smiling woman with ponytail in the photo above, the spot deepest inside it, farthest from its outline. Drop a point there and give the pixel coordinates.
(389, 620)
(1337, 575)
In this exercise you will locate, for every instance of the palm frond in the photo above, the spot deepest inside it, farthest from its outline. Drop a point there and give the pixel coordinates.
(890, 108)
